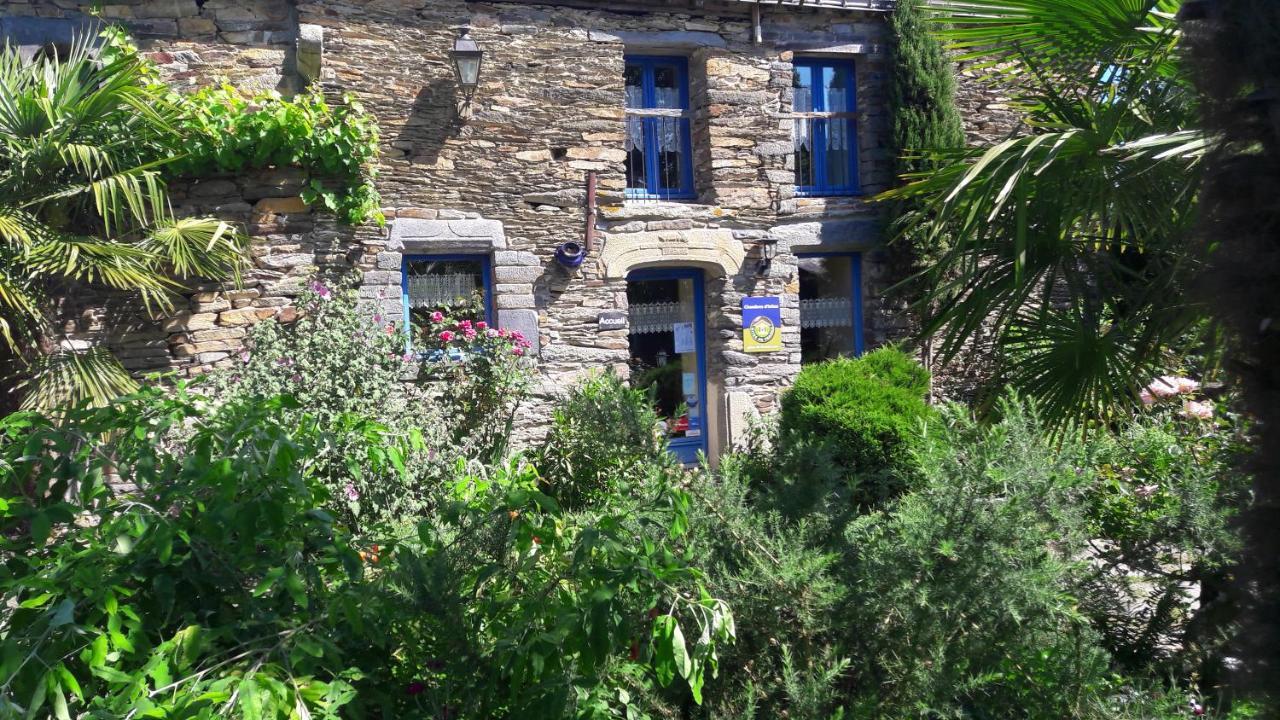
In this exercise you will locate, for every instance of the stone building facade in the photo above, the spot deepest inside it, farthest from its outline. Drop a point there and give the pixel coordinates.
(502, 179)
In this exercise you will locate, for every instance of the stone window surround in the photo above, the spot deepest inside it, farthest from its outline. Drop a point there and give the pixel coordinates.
(514, 271)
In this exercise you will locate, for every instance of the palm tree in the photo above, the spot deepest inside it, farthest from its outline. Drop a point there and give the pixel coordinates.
(83, 139)
(1071, 243)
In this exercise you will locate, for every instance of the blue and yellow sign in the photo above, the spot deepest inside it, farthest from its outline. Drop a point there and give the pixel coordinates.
(761, 324)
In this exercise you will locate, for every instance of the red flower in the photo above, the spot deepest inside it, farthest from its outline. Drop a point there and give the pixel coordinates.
(416, 687)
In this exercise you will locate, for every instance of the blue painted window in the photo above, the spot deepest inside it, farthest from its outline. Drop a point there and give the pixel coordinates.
(460, 286)
(830, 306)
(826, 129)
(659, 149)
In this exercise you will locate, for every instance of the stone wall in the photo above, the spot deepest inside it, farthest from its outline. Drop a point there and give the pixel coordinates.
(505, 174)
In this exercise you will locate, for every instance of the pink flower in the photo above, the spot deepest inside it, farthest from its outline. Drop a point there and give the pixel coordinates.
(482, 325)
(446, 336)
(351, 492)
(469, 334)
(518, 351)
(407, 357)
(437, 317)
(1164, 386)
(296, 378)
(1186, 385)
(464, 325)
(244, 356)
(1198, 410)
(491, 333)
(321, 289)
(377, 319)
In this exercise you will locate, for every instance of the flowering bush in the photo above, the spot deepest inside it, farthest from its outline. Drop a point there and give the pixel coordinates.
(336, 360)
(479, 374)
(1166, 484)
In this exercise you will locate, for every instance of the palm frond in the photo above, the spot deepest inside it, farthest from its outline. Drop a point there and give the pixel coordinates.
(70, 377)
(197, 247)
(1067, 37)
(117, 265)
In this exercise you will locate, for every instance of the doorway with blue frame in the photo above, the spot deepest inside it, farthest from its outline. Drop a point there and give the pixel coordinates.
(668, 354)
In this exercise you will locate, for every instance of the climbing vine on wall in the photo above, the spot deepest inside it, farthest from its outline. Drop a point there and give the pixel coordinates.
(223, 130)
(336, 144)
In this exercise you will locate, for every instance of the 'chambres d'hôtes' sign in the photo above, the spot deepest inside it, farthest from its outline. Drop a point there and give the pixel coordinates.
(761, 324)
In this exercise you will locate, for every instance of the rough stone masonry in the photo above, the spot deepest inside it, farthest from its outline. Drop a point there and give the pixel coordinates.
(506, 177)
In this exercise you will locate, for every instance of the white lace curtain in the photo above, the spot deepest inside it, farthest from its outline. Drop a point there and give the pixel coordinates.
(667, 128)
(432, 291)
(826, 312)
(646, 318)
(838, 133)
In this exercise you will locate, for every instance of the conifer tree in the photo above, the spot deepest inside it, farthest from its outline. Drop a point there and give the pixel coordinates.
(922, 89)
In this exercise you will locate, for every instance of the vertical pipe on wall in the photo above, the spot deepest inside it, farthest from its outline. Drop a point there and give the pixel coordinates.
(589, 236)
(757, 33)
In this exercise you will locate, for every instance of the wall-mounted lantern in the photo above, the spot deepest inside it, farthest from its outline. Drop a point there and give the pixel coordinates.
(768, 251)
(467, 58)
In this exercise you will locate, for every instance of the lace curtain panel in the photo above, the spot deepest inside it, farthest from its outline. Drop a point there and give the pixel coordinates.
(668, 130)
(657, 317)
(826, 313)
(432, 291)
(838, 132)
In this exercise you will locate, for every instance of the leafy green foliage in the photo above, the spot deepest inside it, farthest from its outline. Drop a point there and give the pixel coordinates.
(220, 587)
(864, 414)
(1166, 490)
(336, 361)
(603, 435)
(83, 144)
(967, 581)
(1069, 243)
(337, 145)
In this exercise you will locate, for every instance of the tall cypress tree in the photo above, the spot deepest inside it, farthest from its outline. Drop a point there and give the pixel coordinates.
(922, 88)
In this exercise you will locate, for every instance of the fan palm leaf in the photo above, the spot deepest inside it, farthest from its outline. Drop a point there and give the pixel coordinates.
(1068, 242)
(83, 143)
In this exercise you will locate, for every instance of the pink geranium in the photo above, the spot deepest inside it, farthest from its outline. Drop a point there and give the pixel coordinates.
(482, 325)
(437, 317)
(469, 334)
(446, 336)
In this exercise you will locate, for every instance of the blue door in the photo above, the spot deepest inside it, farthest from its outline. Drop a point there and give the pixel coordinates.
(667, 339)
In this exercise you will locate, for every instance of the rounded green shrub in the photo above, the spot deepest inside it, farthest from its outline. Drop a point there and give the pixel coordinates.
(865, 414)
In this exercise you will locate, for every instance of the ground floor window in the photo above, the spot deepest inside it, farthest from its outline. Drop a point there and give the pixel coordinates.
(458, 286)
(830, 306)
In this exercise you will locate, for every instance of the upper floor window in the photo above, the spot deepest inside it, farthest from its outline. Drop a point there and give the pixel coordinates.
(658, 145)
(826, 128)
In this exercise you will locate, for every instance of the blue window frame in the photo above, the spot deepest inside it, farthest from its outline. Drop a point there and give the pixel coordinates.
(659, 147)
(824, 102)
(460, 286)
(830, 305)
